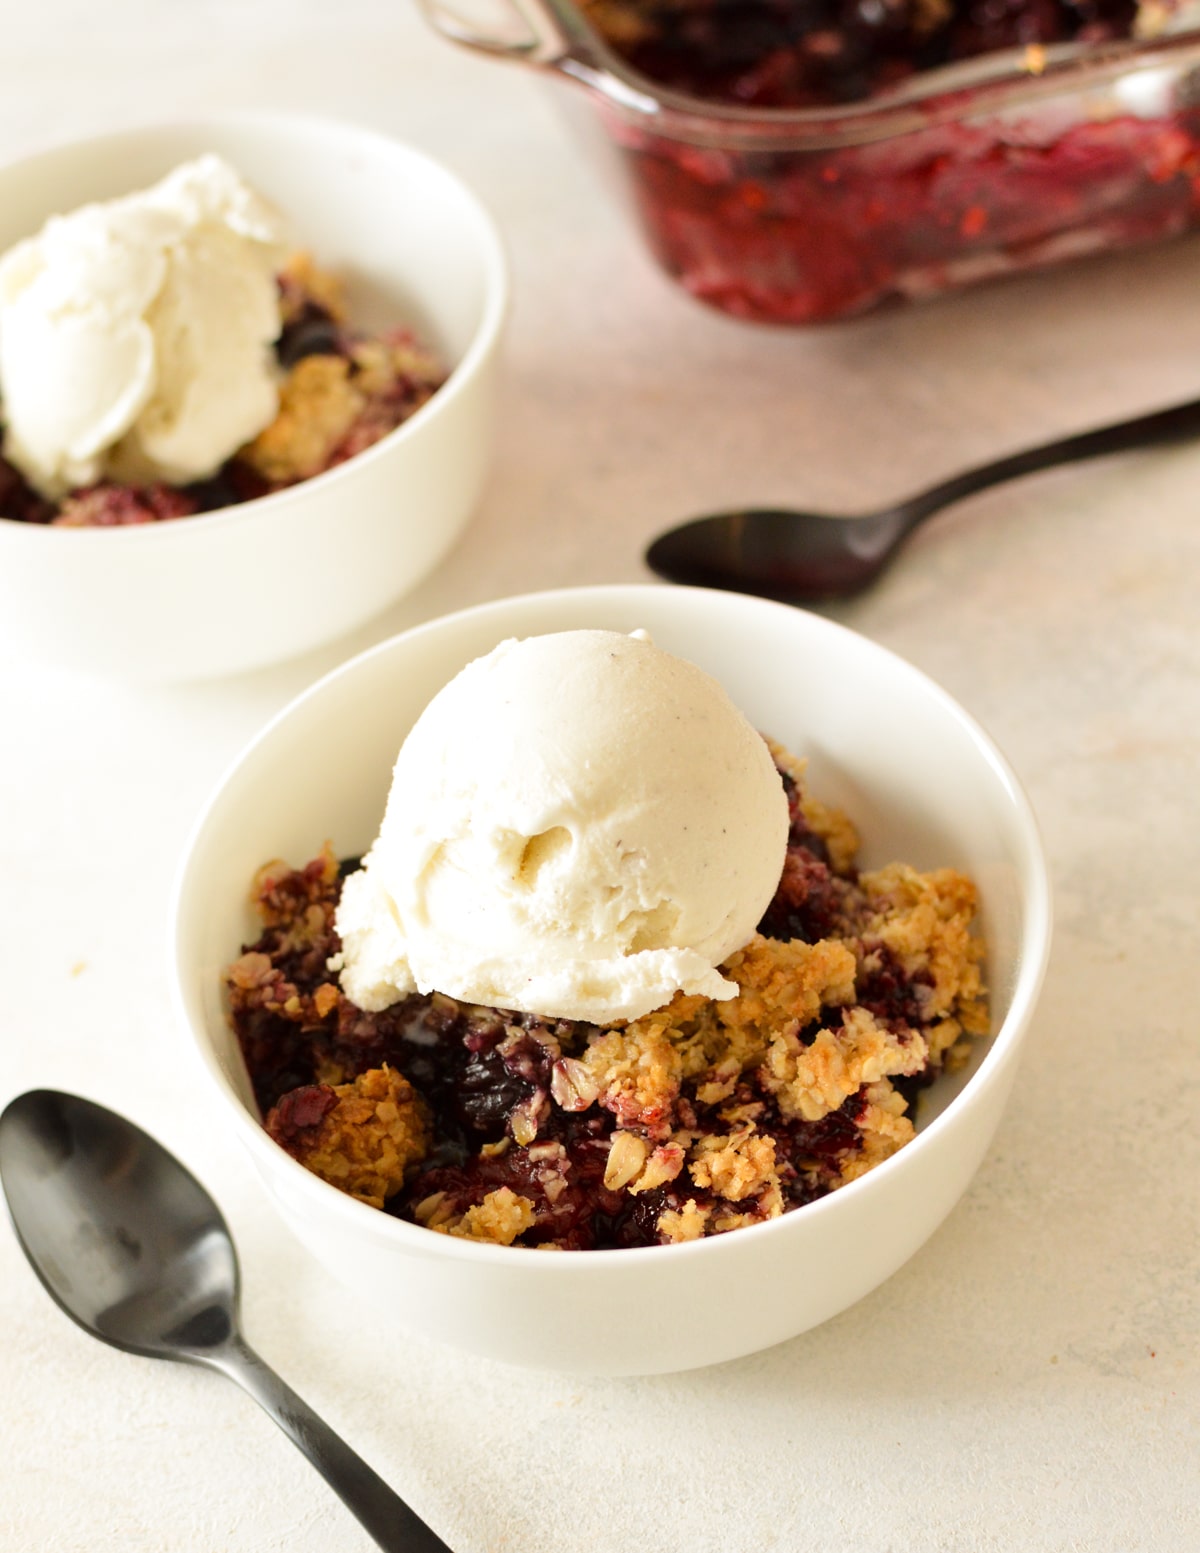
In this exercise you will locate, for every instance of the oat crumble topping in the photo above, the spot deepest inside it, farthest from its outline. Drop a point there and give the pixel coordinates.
(499, 1218)
(360, 1136)
(700, 1118)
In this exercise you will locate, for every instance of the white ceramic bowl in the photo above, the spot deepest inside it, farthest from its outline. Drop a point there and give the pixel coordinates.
(255, 583)
(924, 784)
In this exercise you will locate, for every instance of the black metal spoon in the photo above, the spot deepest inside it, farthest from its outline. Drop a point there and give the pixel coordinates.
(134, 1249)
(804, 557)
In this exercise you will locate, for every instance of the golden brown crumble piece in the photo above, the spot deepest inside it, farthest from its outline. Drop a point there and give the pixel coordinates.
(331, 406)
(688, 1024)
(302, 283)
(884, 1127)
(740, 1164)
(925, 920)
(686, 1223)
(326, 998)
(374, 1130)
(720, 1078)
(318, 404)
(725, 1218)
(498, 1219)
(783, 984)
(636, 1072)
(812, 1080)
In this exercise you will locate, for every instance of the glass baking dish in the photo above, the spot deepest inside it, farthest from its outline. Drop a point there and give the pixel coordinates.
(991, 166)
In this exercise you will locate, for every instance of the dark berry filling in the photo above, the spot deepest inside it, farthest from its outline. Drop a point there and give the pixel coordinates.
(806, 53)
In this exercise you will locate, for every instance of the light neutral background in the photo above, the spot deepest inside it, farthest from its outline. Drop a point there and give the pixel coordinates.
(1030, 1381)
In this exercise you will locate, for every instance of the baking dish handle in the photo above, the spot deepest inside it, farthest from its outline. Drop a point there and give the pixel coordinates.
(547, 41)
(556, 38)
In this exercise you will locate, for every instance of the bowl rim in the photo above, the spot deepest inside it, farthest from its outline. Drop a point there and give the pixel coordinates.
(483, 343)
(1034, 952)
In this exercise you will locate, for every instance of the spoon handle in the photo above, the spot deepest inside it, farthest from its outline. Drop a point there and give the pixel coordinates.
(1179, 422)
(395, 1527)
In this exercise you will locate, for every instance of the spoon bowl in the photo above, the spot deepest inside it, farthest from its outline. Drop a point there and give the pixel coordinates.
(130, 1245)
(797, 557)
(125, 1240)
(810, 557)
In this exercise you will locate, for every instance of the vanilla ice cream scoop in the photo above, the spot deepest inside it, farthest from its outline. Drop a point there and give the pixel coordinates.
(135, 336)
(580, 825)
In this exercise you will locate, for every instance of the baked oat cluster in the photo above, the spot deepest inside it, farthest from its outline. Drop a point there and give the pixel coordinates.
(701, 1117)
(341, 390)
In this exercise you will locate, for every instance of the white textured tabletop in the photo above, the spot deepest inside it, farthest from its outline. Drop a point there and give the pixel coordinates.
(1030, 1381)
